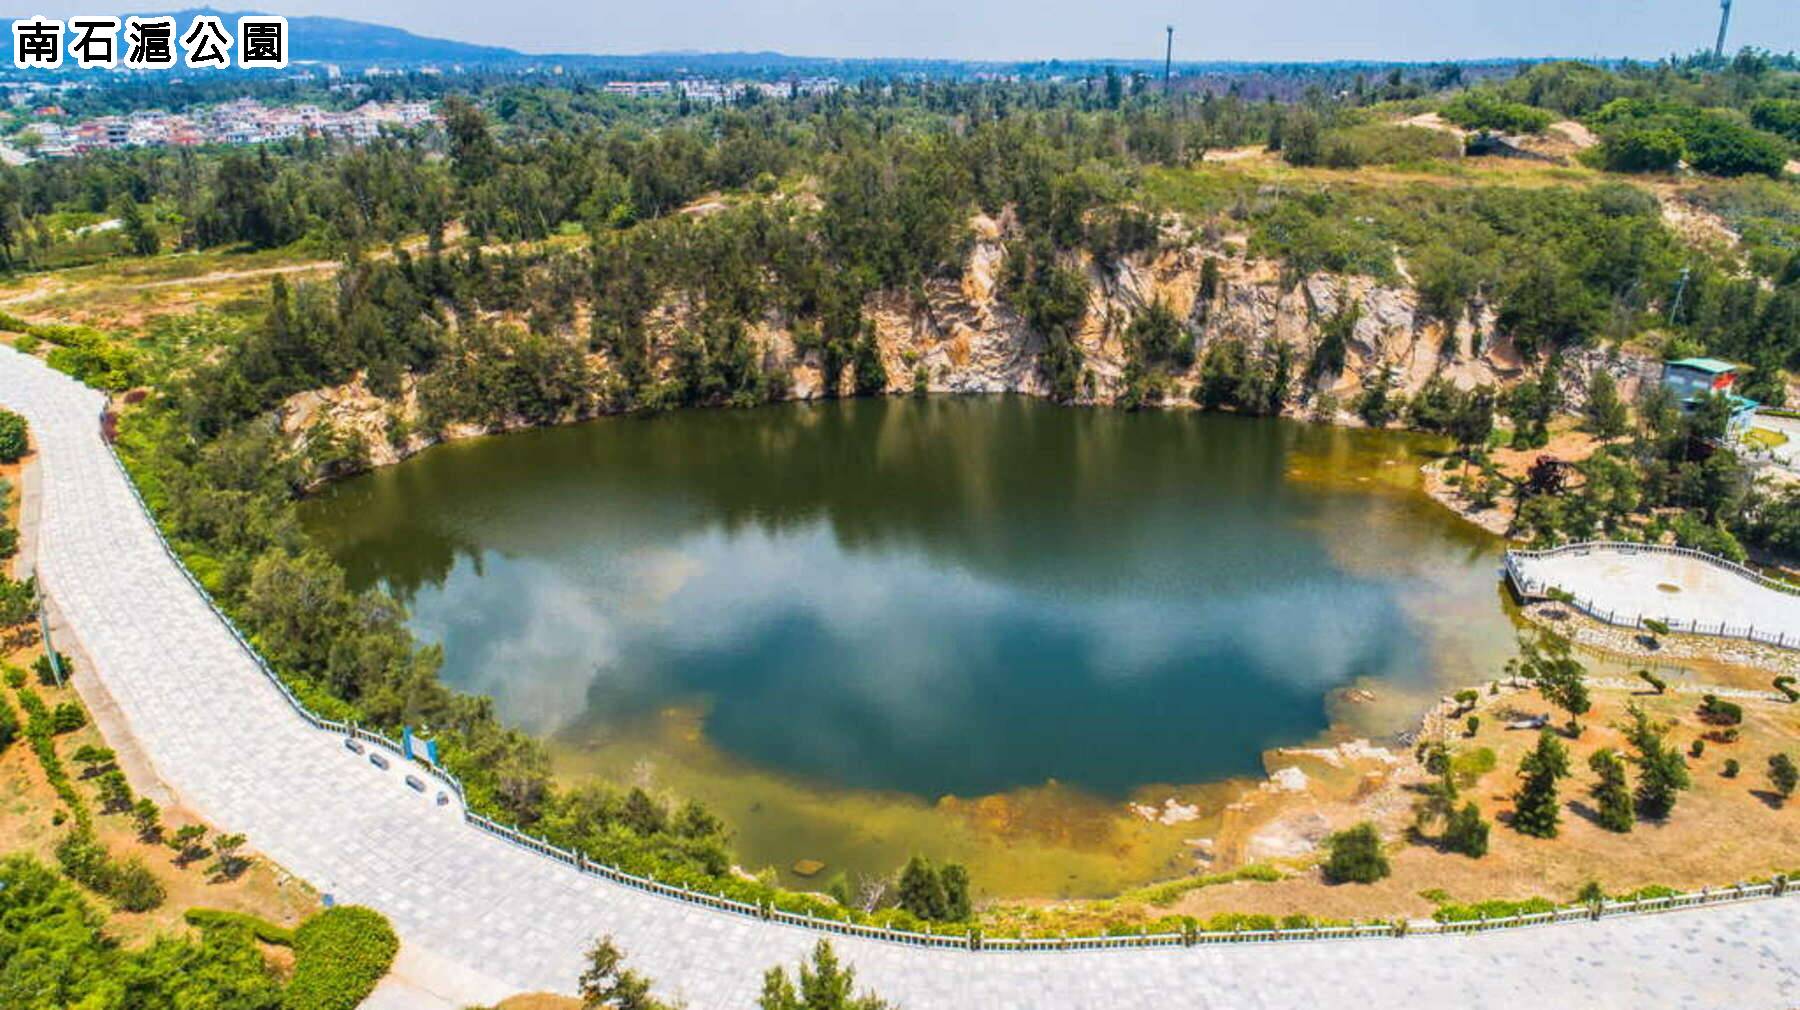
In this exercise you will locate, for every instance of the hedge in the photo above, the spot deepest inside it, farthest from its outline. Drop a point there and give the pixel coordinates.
(214, 918)
(339, 956)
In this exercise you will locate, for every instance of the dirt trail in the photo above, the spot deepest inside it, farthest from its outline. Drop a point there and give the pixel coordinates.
(53, 286)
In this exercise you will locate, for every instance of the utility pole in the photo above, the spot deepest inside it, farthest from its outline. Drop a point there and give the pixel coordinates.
(1681, 288)
(1724, 22)
(1169, 52)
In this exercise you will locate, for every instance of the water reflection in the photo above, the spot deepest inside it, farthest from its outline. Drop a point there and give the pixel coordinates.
(949, 596)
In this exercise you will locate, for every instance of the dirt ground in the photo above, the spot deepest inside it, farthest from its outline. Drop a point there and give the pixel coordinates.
(1722, 830)
(1567, 443)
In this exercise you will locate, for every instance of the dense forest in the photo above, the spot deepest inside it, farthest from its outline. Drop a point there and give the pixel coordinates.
(540, 258)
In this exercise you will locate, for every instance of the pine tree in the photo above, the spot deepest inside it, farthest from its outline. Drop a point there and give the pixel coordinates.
(922, 890)
(1662, 773)
(1606, 415)
(1612, 793)
(825, 984)
(1535, 808)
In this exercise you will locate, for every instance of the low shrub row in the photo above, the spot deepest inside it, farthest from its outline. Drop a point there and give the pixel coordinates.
(339, 956)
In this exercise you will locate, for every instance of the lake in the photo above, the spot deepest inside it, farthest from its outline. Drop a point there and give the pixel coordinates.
(967, 626)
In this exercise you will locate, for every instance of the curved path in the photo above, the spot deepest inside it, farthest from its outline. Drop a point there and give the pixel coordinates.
(482, 919)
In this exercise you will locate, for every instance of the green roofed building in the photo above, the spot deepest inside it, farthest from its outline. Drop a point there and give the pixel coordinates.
(1695, 379)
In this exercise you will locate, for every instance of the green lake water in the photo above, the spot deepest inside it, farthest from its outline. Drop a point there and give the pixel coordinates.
(822, 618)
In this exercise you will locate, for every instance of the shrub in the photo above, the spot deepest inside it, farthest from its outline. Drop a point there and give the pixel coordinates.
(1785, 685)
(1474, 724)
(1385, 144)
(339, 956)
(1730, 770)
(1356, 856)
(14, 440)
(46, 673)
(1720, 712)
(1467, 833)
(1697, 748)
(1498, 908)
(134, 888)
(1656, 683)
(1642, 150)
(67, 718)
(9, 725)
(1484, 110)
(1718, 146)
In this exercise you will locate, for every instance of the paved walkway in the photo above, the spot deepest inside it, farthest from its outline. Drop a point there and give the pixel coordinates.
(1667, 587)
(483, 919)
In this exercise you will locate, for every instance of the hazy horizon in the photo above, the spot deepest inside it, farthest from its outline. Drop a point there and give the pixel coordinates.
(1018, 30)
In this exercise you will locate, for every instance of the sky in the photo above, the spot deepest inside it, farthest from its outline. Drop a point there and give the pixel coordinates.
(1256, 30)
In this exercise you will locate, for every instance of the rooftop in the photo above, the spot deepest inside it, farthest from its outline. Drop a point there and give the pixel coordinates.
(1710, 365)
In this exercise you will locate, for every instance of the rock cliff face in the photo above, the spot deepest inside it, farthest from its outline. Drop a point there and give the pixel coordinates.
(968, 339)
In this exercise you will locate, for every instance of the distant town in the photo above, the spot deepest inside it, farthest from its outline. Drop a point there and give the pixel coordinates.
(243, 121)
(44, 129)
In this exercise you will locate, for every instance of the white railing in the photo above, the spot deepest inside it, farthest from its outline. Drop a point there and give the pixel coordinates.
(1628, 548)
(971, 940)
(1530, 588)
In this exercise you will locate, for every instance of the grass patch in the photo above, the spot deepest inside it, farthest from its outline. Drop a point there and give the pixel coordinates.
(1167, 892)
(1765, 438)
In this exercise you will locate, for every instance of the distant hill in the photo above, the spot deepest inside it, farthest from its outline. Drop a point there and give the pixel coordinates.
(340, 40)
(359, 44)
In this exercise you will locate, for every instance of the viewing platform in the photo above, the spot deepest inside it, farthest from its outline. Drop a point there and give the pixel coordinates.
(1693, 592)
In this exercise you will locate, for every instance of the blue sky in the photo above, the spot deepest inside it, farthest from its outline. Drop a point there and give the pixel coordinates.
(1031, 29)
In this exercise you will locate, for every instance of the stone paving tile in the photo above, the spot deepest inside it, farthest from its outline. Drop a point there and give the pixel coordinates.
(494, 919)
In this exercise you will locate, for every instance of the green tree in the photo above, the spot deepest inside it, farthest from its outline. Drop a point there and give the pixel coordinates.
(1356, 856)
(824, 984)
(1662, 772)
(1783, 775)
(922, 890)
(957, 904)
(1536, 810)
(1548, 661)
(140, 234)
(1604, 412)
(189, 843)
(147, 818)
(1467, 832)
(115, 792)
(1611, 792)
(606, 984)
(230, 863)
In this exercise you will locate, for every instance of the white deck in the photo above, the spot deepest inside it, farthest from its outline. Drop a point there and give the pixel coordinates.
(1667, 587)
